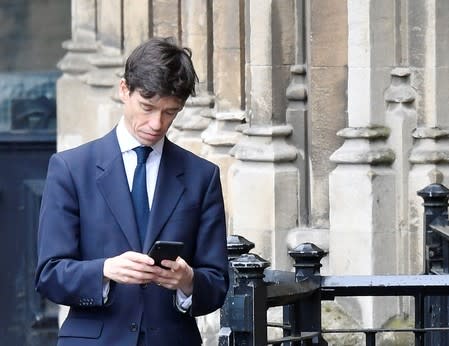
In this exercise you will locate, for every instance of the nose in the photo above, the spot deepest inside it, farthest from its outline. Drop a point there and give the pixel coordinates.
(155, 121)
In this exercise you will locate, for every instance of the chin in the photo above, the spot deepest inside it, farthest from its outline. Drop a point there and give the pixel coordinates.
(150, 141)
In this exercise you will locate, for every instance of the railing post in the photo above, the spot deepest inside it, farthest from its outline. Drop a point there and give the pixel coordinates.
(237, 246)
(419, 319)
(248, 315)
(432, 311)
(435, 198)
(307, 313)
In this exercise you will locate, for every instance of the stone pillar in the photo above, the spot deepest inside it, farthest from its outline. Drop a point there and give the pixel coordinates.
(401, 118)
(362, 235)
(263, 181)
(327, 56)
(71, 90)
(228, 64)
(427, 54)
(197, 35)
(317, 110)
(221, 134)
(136, 24)
(165, 18)
(137, 28)
(102, 81)
(83, 38)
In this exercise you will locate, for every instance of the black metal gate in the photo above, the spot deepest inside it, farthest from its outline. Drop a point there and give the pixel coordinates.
(27, 139)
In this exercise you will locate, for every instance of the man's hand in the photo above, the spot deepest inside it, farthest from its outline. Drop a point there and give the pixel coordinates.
(130, 268)
(137, 268)
(178, 275)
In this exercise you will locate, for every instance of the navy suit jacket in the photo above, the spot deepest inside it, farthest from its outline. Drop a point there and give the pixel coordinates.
(87, 216)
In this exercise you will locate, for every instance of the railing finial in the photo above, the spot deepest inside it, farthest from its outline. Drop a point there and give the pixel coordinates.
(307, 258)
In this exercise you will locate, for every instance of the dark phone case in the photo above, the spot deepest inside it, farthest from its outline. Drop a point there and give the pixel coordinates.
(169, 250)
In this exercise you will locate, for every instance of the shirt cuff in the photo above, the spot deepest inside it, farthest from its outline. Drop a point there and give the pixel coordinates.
(183, 302)
(106, 287)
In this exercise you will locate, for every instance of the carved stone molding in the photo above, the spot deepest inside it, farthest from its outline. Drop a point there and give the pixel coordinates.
(196, 114)
(265, 144)
(429, 152)
(107, 69)
(76, 61)
(364, 145)
(431, 146)
(400, 90)
(297, 89)
(223, 131)
(430, 132)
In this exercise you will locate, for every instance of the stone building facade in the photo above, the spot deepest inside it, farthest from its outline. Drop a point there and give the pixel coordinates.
(325, 117)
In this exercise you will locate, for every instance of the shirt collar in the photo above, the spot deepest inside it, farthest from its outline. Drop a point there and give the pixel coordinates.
(128, 142)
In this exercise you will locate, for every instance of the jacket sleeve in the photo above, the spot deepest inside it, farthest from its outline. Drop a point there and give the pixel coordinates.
(211, 280)
(61, 275)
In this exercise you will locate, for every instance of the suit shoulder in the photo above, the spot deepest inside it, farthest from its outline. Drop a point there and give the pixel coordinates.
(85, 149)
(191, 158)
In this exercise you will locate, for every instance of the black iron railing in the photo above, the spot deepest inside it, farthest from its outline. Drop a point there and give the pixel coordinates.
(255, 288)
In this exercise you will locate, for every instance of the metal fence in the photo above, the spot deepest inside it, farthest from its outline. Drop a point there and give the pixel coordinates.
(255, 288)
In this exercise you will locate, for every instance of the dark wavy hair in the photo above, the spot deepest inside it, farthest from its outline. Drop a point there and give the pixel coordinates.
(161, 67)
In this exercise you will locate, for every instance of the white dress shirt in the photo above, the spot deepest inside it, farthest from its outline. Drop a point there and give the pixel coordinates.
(127, 143)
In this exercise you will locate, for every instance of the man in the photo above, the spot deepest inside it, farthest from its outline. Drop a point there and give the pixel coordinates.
(90, 255)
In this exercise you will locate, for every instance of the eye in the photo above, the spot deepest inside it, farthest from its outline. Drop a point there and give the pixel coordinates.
(146, 108)
(171, 113)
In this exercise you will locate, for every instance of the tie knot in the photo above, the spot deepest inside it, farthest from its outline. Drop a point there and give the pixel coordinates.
(142, 153)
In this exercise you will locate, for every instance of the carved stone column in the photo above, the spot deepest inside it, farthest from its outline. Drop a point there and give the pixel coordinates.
(228, 64)
(429, 158)
(263, 181)
(165, 18)
(317, 110)
(363, 237)
(401, 118)
(197, 35)
(137, 28)
(136, 23)
(71, 90)
(103, 80)
(221, 134)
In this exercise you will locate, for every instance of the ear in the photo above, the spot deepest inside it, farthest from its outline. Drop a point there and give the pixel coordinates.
(123, 90)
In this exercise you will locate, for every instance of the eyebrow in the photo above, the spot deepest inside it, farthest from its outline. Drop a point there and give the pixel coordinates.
(146, 103)
(149, 104)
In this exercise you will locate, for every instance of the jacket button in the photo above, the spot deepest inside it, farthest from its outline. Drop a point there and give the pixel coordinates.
(133, 327)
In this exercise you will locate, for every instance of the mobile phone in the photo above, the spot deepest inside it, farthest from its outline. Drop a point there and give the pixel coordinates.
(163, 249)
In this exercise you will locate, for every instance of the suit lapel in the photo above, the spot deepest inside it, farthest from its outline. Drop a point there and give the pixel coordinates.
(169, 189)
(113, 185)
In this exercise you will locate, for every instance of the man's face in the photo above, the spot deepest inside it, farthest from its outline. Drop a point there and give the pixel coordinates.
(148, 120)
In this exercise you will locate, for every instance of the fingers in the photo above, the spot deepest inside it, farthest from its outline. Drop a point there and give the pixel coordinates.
(130, 268)
(137, 268)
(179, 275)
(137, 257)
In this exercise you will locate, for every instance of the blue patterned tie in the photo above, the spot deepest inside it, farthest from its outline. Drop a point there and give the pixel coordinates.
(139, 191)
